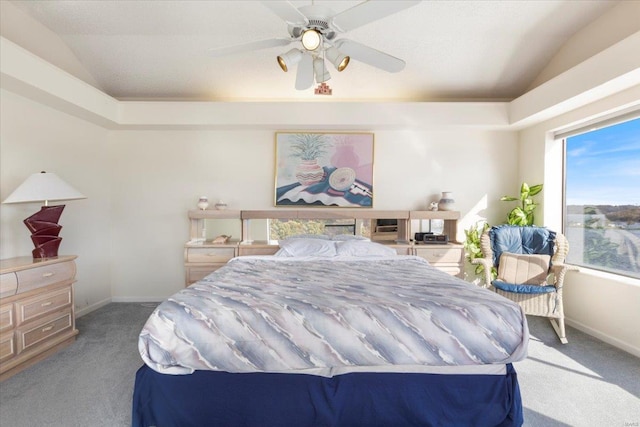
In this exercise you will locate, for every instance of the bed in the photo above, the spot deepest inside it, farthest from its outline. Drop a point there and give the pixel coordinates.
(350, 336)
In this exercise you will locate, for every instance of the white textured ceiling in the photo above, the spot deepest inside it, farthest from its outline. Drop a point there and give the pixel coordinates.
(454, 50)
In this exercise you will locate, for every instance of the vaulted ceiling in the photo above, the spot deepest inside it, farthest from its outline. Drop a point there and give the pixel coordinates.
(454, 50)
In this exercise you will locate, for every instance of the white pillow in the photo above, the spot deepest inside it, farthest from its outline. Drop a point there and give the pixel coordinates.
(310, 236)
(307, 247)
(343, 237)
(363, 248)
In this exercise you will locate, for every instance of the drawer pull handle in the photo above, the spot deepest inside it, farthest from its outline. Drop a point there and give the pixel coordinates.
(45, 304)
(48, 274)
(47, 328)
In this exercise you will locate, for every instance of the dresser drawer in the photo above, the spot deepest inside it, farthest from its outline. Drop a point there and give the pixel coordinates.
(31, 308)
(7, 346)
(7, 317)
(29, 336)
(210, 255)
(38, 277)
(8, 284)
(442, 254)
(196, 273)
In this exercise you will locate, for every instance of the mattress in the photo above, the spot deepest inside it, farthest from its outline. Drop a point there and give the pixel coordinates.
(332, 316)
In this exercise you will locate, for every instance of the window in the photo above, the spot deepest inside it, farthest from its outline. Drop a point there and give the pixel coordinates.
(602, 197)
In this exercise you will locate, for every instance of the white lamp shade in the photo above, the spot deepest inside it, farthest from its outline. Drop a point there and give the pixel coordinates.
(289, 59)
(337, 58)
(43, 187)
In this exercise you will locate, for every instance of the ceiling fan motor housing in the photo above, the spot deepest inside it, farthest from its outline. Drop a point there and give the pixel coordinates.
(318, 18)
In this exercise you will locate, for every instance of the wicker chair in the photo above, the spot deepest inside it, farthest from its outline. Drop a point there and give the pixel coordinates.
(532, 271)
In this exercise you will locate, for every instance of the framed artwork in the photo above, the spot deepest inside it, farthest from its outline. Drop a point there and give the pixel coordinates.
(324, 169)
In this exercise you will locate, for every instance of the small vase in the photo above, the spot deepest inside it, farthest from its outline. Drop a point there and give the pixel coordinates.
(309, 172)
(203, 203)
(221, 205)
(446, 203)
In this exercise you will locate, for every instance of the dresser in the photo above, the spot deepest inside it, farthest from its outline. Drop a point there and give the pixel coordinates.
(37, 316)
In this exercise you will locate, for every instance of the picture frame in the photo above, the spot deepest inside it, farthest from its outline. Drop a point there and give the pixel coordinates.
(332, 169)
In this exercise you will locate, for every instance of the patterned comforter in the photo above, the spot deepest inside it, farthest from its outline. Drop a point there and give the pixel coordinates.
(329, 316)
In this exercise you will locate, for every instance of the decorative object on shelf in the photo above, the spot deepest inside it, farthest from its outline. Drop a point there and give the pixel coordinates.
(221, 239)
(221, 205)
(44, 187)
(446, 203)
(203, 203)
(324, 169)
(433, 206)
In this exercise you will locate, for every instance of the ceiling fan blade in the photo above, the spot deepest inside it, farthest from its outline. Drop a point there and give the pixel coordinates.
(248, 47)
(287, 12)
(367, 12)
(370, 56)
(304, 76)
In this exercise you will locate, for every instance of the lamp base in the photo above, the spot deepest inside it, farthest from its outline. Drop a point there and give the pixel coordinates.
(45, 229)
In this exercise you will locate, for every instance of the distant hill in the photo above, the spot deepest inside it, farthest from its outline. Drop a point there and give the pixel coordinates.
(614, 213)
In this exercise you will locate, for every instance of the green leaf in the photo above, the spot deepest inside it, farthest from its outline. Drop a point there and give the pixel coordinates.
(508, 199)
(517, 217)
(535, 189)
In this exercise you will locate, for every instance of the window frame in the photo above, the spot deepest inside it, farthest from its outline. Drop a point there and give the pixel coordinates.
(562, 137)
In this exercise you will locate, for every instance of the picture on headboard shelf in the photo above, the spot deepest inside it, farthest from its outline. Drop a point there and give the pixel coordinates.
(324, 169)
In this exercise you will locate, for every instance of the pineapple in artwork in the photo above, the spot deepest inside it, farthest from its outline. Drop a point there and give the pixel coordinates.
(308, 147)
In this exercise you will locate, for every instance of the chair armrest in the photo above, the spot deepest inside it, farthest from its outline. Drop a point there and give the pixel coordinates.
(559, 270)
(487, 264)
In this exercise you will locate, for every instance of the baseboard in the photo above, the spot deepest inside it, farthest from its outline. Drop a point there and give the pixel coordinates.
(88, 309)
(603, 337)
(137, 299)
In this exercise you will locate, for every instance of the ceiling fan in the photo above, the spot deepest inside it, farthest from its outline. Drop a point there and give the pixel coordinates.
(316, 28)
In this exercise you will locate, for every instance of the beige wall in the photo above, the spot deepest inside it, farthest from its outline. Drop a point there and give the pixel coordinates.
(156, 176)
(35, 138)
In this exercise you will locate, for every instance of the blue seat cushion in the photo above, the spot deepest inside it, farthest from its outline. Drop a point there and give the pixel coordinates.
(523, 289)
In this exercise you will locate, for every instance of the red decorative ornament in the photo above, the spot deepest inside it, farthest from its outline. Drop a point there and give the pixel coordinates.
(323, 89)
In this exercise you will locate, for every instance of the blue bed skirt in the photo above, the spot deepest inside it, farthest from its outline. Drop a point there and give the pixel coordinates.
(209, 399)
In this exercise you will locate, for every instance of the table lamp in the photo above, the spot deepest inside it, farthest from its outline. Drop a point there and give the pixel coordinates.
(44, 227)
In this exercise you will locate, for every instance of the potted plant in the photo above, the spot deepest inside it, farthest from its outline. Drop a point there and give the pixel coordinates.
(472, 247)
(523, 214)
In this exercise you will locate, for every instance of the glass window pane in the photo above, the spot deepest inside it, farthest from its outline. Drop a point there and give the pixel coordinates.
(602, 198)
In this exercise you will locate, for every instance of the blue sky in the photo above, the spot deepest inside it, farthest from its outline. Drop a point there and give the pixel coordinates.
(603, 166)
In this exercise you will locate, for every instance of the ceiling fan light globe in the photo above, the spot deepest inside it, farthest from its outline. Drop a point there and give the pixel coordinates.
(289, 59)
(311, 39)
